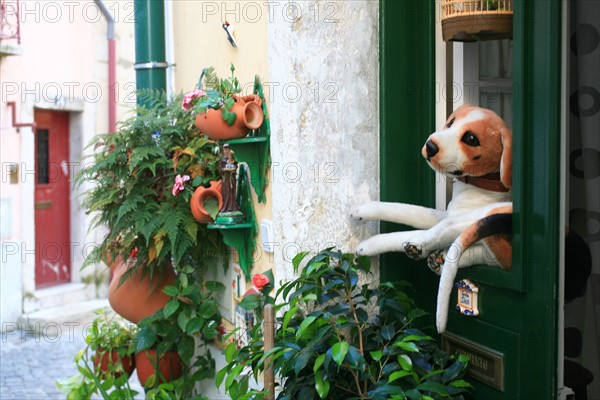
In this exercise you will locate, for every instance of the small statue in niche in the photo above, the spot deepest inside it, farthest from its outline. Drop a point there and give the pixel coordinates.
(230, 211)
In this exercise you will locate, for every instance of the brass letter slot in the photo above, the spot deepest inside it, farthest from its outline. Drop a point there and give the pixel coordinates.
(485, 365)
(43, 205)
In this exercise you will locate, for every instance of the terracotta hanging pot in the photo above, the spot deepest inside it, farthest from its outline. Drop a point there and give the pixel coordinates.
(138, 297)
(201, 194)
(249, 115)
(169, 366)
(103, 358)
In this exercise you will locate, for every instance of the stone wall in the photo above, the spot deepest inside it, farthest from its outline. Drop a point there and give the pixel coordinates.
(324, 91)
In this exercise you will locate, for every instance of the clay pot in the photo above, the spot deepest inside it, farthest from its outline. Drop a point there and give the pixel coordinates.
(169, 365)
(201, 194)
(102, 359)
(138, 297)
(249, 115)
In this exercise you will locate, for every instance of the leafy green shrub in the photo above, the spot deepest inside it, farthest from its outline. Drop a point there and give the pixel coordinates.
(132, 175)
(107, 334)
(339, 339)
(141, 179)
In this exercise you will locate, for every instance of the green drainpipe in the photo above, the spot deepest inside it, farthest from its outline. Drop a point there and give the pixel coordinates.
(150, 59)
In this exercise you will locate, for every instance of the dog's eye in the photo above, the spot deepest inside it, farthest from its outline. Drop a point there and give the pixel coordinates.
(451, 122)
(470, 139)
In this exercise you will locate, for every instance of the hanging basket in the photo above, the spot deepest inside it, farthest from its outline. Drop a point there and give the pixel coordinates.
(472, 20)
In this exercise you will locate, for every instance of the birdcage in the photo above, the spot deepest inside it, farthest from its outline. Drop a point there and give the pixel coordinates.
(472, 20)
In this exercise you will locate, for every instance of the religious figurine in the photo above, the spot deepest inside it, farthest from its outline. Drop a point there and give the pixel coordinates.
(230, 211)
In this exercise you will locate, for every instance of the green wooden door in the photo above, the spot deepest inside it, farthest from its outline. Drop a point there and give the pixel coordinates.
(519, 309)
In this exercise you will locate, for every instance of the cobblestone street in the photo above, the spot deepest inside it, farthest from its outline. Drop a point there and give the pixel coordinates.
(30, 364)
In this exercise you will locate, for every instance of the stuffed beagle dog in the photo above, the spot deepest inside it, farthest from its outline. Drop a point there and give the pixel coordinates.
(474, 149)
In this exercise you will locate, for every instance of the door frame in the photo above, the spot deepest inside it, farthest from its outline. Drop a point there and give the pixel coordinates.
(408, 95)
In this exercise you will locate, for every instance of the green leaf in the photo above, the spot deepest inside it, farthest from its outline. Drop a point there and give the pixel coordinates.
(229, 103)
(339, 351)
(376, 355)
(298, 259)
(250, 302)
(301, 361)
(388, 332)
(221, 375)
(408, 346)
(304, 325)
(321, 385)
(211, 205)
(397, 375)
(208, 309)
(214, 286)
(319, 362)
(170, 308)
(231, 119)
(405, 362)
(183, 319)
(433, 387)
(461, 384)
(194, 325)
(230, 351)
(170, 290)
(145, 339)
(197, 181)
(288, 316)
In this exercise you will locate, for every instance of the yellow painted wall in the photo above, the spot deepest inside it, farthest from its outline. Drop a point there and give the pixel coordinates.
(200, 42)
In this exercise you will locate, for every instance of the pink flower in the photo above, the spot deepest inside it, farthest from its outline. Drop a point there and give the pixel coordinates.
(180, 183)
(260, 281)
(188, 99)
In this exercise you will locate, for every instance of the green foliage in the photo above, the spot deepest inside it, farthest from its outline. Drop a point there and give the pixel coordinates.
(130, 179)
(339, 339)
(106, 335)
(131, 175)
(191, 313)
(219, 94)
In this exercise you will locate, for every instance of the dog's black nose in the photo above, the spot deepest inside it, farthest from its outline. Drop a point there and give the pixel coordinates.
(431, 148)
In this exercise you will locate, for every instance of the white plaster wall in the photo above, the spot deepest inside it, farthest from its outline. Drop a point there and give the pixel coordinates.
(64, 53)
(324, 73)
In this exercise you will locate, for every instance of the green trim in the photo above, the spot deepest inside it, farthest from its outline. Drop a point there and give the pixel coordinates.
(519, 309)
(536, 167)
(407, 115)
(255, 148)
(241, 236)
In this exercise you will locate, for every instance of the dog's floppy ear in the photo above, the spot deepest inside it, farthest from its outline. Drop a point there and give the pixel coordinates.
(506, 160)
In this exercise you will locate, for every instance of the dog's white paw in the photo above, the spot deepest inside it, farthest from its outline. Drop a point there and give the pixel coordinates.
(413, 250)
(365, 212)
(435, 261)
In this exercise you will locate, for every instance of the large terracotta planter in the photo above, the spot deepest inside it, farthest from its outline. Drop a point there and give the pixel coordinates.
(169, 365)
(138, 297)
(248, 113)
(201, 194)
(102, 359)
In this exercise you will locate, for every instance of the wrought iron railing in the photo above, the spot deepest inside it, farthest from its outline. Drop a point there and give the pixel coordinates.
(10, 27)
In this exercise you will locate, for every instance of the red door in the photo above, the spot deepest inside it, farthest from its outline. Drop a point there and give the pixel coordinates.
(52, 193)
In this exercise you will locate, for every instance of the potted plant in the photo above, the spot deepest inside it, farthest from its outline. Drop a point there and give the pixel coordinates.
(222, 113)
(142, 180)
(107, 361)
(470, 20)
(338, 339)
(111, 339)
(168, 342)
